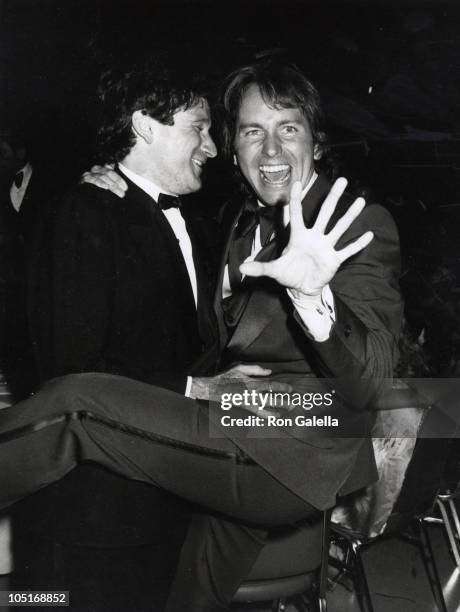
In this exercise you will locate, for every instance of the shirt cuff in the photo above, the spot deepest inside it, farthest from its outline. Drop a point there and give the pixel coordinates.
(188, 386)
(317, 313)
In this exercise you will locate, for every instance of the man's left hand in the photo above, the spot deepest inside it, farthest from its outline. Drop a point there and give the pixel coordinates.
(310, 260)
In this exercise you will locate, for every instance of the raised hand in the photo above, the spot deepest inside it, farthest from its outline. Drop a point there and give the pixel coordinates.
(310, 260)
(105, 177)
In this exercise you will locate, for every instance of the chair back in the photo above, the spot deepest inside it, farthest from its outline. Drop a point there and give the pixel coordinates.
(424, 473)
(287, 564)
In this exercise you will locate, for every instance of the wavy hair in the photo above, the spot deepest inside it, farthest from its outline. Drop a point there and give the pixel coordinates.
(281, 85)
(156, 86)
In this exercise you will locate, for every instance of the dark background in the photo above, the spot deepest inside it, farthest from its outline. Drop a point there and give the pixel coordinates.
(407, 52)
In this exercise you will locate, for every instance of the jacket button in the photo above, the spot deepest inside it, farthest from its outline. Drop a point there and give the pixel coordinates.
(347, 330)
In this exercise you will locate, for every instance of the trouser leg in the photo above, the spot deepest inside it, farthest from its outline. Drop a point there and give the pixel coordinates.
(141, 432)
(161, 438)
(216, 556)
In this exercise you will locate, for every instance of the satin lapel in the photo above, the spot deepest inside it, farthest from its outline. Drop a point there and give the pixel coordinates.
(220, 280)
(206, 321)
(224, 259)
(147, 223)
(259, 311)
(314, 198)
(258, 305)
(261, 306)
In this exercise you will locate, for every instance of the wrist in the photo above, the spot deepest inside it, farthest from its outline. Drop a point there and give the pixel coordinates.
(300, 296)
(199, 388)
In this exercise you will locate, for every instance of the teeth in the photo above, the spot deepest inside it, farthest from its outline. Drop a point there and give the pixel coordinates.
(198, 162)
(279, 168)
(275, 174)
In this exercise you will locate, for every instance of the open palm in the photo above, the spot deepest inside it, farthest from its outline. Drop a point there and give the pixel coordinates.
(310, 260)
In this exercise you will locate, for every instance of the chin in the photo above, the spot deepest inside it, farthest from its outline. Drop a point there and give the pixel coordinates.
(192, 186)
(272, 197)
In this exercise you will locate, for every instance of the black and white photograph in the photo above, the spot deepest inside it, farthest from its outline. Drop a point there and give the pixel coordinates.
(230, 305)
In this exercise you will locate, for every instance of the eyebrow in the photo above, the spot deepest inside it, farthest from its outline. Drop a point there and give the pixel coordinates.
(244, 126)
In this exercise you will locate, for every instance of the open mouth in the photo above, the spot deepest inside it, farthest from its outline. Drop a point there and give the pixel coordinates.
(199, 163)
(275, 174)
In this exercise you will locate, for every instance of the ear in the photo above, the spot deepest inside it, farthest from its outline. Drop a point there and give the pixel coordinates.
(142, 125)
(318, 149)
(317, 152)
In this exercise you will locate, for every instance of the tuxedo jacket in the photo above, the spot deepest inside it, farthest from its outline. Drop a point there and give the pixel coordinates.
(360, 351)
(109, 292)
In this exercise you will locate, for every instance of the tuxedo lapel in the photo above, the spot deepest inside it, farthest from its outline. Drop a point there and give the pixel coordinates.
(223, 332)
(314, 198)
(259, 309)
(157, 241)
(206, 317)
(224, 260)
(257, 303)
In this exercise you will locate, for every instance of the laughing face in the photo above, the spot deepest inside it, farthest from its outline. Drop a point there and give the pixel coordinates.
(274, 147)
(182, 149)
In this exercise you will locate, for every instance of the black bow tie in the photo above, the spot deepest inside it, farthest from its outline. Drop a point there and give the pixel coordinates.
(19, 177)
(168, 201)
(268, 216)
(269, 212)
(253, 215)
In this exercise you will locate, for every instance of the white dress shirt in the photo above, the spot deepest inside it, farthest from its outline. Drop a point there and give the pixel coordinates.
(317, 313)
(177, 223)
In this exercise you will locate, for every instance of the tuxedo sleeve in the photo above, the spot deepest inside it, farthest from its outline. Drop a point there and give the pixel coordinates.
(73, 291)
(362, 344)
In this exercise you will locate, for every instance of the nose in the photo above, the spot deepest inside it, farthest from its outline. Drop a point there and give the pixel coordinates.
(208, 146)
(271, 146)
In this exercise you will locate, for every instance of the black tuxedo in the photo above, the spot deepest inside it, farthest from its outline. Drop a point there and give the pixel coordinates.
(109, 292)
(259, 326)
(112, 293)
(362, 349)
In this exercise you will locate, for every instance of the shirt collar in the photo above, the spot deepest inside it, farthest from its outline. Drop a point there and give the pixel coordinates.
(26, 171)
(143, 183)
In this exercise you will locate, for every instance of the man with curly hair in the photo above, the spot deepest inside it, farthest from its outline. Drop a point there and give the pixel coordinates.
(116, 287)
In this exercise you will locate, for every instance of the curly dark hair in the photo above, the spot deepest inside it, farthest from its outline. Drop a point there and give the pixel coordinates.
(282, 85)
(157, 86)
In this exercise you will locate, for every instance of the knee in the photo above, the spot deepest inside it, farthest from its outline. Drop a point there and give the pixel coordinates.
(69, 393)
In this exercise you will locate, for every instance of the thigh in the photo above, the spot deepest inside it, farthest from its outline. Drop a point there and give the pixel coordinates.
(144, 433)
(165, 439)
(118, 401)
(218, 478)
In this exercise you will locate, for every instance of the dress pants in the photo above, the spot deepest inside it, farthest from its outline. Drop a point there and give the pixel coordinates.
(159, 437)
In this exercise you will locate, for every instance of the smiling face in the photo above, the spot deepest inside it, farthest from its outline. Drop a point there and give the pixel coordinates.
(179, 151)
(273, 146)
